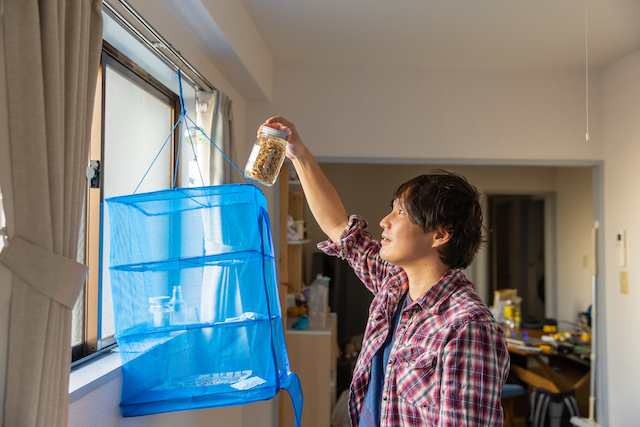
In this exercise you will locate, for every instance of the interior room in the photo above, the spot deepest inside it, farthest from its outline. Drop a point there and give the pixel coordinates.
(531, 101)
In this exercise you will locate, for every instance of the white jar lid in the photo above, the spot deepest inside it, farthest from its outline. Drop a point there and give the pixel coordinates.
(274, 132)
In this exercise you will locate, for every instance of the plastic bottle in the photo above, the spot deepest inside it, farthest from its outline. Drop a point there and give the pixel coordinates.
(267, 156)
(509, 314)
(318, 301)
(178, 307)
(517, 312)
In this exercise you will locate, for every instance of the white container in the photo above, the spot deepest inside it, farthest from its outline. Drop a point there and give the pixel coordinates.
(267, 156)
(299, 225)
(160, 310)
(318, 301)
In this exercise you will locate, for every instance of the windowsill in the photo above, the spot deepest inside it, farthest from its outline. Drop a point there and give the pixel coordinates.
(94, 375)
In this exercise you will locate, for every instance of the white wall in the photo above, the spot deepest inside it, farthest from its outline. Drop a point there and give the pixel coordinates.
(574, 223)
(352, 111)
(100, 408)
(621, 136)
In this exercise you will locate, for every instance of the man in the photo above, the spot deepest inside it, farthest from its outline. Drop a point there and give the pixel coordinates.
(432, 354)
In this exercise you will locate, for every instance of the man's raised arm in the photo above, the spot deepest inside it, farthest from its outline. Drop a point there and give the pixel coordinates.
(322, 197)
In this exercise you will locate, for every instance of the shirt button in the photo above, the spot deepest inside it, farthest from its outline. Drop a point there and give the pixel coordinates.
(390, 361)
(384, 398)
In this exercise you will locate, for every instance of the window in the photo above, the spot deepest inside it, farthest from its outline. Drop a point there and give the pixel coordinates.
(3, 224)
(133, 115)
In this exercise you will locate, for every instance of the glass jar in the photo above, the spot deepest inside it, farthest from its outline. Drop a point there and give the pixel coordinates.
(267, 156)
(160, 311)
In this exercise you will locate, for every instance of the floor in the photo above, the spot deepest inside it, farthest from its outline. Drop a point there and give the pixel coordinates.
(521, 408)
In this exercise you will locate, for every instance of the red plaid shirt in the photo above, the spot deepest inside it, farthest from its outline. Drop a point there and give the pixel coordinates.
(450, 357)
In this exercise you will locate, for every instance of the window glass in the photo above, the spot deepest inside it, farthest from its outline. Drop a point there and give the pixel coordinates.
(133, 117)
(77, 315)
(3, 223)
(136, 124)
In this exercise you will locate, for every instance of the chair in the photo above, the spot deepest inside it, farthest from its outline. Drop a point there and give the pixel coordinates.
(509, 393)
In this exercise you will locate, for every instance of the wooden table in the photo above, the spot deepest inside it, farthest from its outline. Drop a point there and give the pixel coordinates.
(550, 379)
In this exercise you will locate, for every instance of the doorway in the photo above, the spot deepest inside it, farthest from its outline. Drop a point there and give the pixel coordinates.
(516, 249)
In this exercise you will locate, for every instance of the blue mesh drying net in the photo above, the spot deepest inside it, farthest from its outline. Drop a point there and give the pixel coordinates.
(196, 306)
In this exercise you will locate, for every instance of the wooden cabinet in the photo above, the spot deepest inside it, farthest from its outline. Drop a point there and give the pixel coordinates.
(313, 351)
(295, 247)
(291, 203)
(313, 357)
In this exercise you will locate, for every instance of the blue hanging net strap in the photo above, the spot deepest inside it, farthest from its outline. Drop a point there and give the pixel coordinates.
(156, 157)
(293, 387)
(185, 120)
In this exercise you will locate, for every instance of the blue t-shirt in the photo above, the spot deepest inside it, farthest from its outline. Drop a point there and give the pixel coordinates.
(370, 415)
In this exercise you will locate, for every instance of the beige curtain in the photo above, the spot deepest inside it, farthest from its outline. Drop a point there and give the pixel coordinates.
(52, 50)
(220, 170)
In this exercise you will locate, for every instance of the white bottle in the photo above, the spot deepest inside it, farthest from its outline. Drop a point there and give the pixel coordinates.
(178, 307)
(318, 302)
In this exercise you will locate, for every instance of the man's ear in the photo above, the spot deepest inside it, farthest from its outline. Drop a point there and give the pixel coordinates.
(441, 237)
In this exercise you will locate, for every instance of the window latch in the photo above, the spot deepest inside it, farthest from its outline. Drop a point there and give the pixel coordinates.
(93, 174)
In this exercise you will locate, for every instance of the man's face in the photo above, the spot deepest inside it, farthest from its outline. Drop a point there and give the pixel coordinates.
(404, 243)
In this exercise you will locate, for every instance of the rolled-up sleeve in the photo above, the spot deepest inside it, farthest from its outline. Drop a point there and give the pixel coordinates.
(360, 250)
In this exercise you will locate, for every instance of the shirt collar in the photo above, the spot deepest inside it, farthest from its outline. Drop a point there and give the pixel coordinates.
(399, 287)
(433, 299)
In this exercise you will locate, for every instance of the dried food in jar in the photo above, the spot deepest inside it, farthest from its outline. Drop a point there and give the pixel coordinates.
(267, 156)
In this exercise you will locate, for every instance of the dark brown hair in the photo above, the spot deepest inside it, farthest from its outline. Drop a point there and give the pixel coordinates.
(446, 199)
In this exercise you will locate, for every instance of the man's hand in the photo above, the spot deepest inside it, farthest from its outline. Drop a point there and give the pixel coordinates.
(295, 147)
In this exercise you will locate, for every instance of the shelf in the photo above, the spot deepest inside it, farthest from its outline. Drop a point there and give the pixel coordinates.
(223, 260)
(298, 242)
(332, 318)
(160, 334)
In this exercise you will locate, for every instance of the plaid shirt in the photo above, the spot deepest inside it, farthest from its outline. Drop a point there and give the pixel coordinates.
(450, 356)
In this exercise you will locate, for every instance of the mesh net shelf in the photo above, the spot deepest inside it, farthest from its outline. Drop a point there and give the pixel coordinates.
(197, 314)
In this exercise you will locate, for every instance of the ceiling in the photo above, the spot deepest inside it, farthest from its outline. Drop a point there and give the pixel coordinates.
(448, 33)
